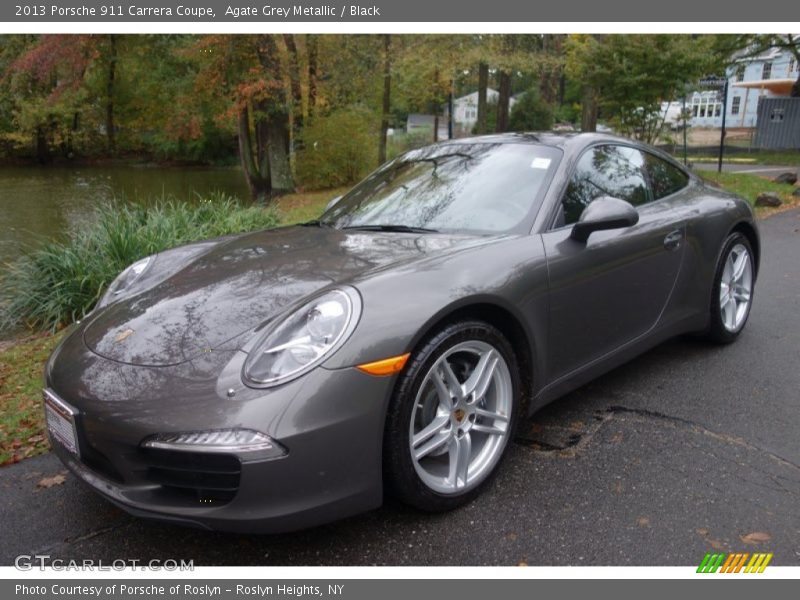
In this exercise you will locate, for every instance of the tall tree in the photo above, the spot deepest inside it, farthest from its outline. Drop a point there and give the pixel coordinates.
(631, 75)
(503, 100)
(251, 72)
(312, 43)
(483, 84)
(386, 104)
(111, 76)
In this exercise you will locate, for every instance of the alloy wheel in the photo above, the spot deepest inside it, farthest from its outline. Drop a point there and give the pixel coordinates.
(461, 418)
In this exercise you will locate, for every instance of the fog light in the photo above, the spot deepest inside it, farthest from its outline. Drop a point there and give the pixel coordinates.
(239, 441)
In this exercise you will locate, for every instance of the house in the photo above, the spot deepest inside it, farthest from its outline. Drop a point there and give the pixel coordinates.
(419, 124)
(465, 109)
(768, 75)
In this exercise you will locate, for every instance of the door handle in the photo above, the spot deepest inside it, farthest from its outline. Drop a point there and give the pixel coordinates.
(673, 240)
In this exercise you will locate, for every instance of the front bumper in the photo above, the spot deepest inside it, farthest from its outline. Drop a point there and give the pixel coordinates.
(329, 421)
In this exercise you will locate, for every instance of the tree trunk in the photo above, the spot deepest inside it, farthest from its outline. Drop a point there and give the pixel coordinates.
(42, 147)
(280, 171)
(588, 109)
(273, 117)
(436, 105)
(112, 69)
(503, 100)
(252, 165)
(294, 78)
(387, 97)
(312, 44)
(795, 93)
(483, 84)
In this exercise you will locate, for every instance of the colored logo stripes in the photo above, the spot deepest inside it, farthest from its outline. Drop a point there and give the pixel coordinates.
(734, 563)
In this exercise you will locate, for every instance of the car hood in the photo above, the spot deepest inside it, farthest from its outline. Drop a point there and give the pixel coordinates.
(211, 302)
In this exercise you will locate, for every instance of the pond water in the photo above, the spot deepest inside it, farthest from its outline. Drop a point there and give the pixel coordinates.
(42, 203)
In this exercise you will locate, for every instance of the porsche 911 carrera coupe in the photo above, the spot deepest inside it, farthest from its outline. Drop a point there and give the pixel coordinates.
(281, 379)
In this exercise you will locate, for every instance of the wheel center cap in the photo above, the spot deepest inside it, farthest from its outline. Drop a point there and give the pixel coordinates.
(459, 414)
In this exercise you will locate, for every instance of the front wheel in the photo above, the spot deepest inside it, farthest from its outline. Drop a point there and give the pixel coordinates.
(734, 283)
(452, 416)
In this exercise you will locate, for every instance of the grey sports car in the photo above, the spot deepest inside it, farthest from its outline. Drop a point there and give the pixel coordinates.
(276, 380)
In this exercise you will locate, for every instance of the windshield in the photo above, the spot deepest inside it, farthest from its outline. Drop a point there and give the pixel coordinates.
(476, 188)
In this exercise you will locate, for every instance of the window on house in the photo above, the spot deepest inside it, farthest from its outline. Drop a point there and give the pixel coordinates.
(735, 104)
(740, 73)
(792, 65)
(717, 109)
(766, 70)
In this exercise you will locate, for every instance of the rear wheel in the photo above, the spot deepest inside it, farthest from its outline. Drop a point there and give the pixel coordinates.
(452, 416)
(732, 295)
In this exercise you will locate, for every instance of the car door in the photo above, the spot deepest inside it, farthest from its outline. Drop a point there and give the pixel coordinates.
(613, 288)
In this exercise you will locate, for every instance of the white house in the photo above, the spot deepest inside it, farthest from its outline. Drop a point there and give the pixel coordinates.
(769, 74)
(465, 108)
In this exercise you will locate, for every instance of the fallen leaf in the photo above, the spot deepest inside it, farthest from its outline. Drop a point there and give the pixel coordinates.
(123, 335)
(511, 536)
(48, 482)
(643, 522)
(704, 531)
(576, 426)
(616, 438)
(618, 487)
(716, 544)
(757, 537)
(522, 563)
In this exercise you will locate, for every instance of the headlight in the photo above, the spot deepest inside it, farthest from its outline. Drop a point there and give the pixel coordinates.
(125, 280)
(303, 339)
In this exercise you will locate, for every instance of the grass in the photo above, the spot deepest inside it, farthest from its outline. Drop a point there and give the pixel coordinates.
(60, 282)
(307, 206)
(22, 429)
(755, 157)
(749, 186)
(22, 432)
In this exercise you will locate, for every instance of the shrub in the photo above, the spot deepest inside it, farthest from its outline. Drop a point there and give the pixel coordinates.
(61, 281)
(337, 149)
(531, 113)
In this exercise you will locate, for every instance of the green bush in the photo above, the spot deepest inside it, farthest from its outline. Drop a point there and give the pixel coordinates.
(531, 113)
(337, 149)
(61, 281)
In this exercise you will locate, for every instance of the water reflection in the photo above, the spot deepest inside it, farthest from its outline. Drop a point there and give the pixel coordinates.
(39, 204)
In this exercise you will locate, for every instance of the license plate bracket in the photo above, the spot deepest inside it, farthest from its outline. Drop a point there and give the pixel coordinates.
(60, 418)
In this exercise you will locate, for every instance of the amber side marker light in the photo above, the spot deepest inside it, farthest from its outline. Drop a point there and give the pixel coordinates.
(387, 366)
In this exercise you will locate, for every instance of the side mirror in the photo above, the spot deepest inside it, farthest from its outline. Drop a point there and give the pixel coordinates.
(332, 203)
(601, 214)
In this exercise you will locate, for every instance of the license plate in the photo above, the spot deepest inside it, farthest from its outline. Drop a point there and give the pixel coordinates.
(61, 421)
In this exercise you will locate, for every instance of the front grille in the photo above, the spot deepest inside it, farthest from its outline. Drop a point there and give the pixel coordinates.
(201, 476)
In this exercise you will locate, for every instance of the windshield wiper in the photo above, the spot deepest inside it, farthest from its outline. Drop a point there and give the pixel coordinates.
(393, 228)
(315, 223)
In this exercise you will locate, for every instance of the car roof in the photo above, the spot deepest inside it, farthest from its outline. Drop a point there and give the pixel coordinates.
(547, 138)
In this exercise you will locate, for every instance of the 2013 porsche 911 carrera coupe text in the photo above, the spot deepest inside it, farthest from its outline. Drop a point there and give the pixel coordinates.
(275, 380)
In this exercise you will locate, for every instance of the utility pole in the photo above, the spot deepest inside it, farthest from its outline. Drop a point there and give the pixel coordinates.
(722, 131)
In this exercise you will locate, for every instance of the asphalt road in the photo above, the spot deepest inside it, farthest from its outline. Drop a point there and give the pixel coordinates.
(690, 448)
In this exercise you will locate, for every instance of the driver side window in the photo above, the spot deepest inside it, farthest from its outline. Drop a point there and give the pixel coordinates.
(604, 171)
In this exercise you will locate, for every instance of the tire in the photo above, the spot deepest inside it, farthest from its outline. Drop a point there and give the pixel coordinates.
(479, 424)
(729, 318)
